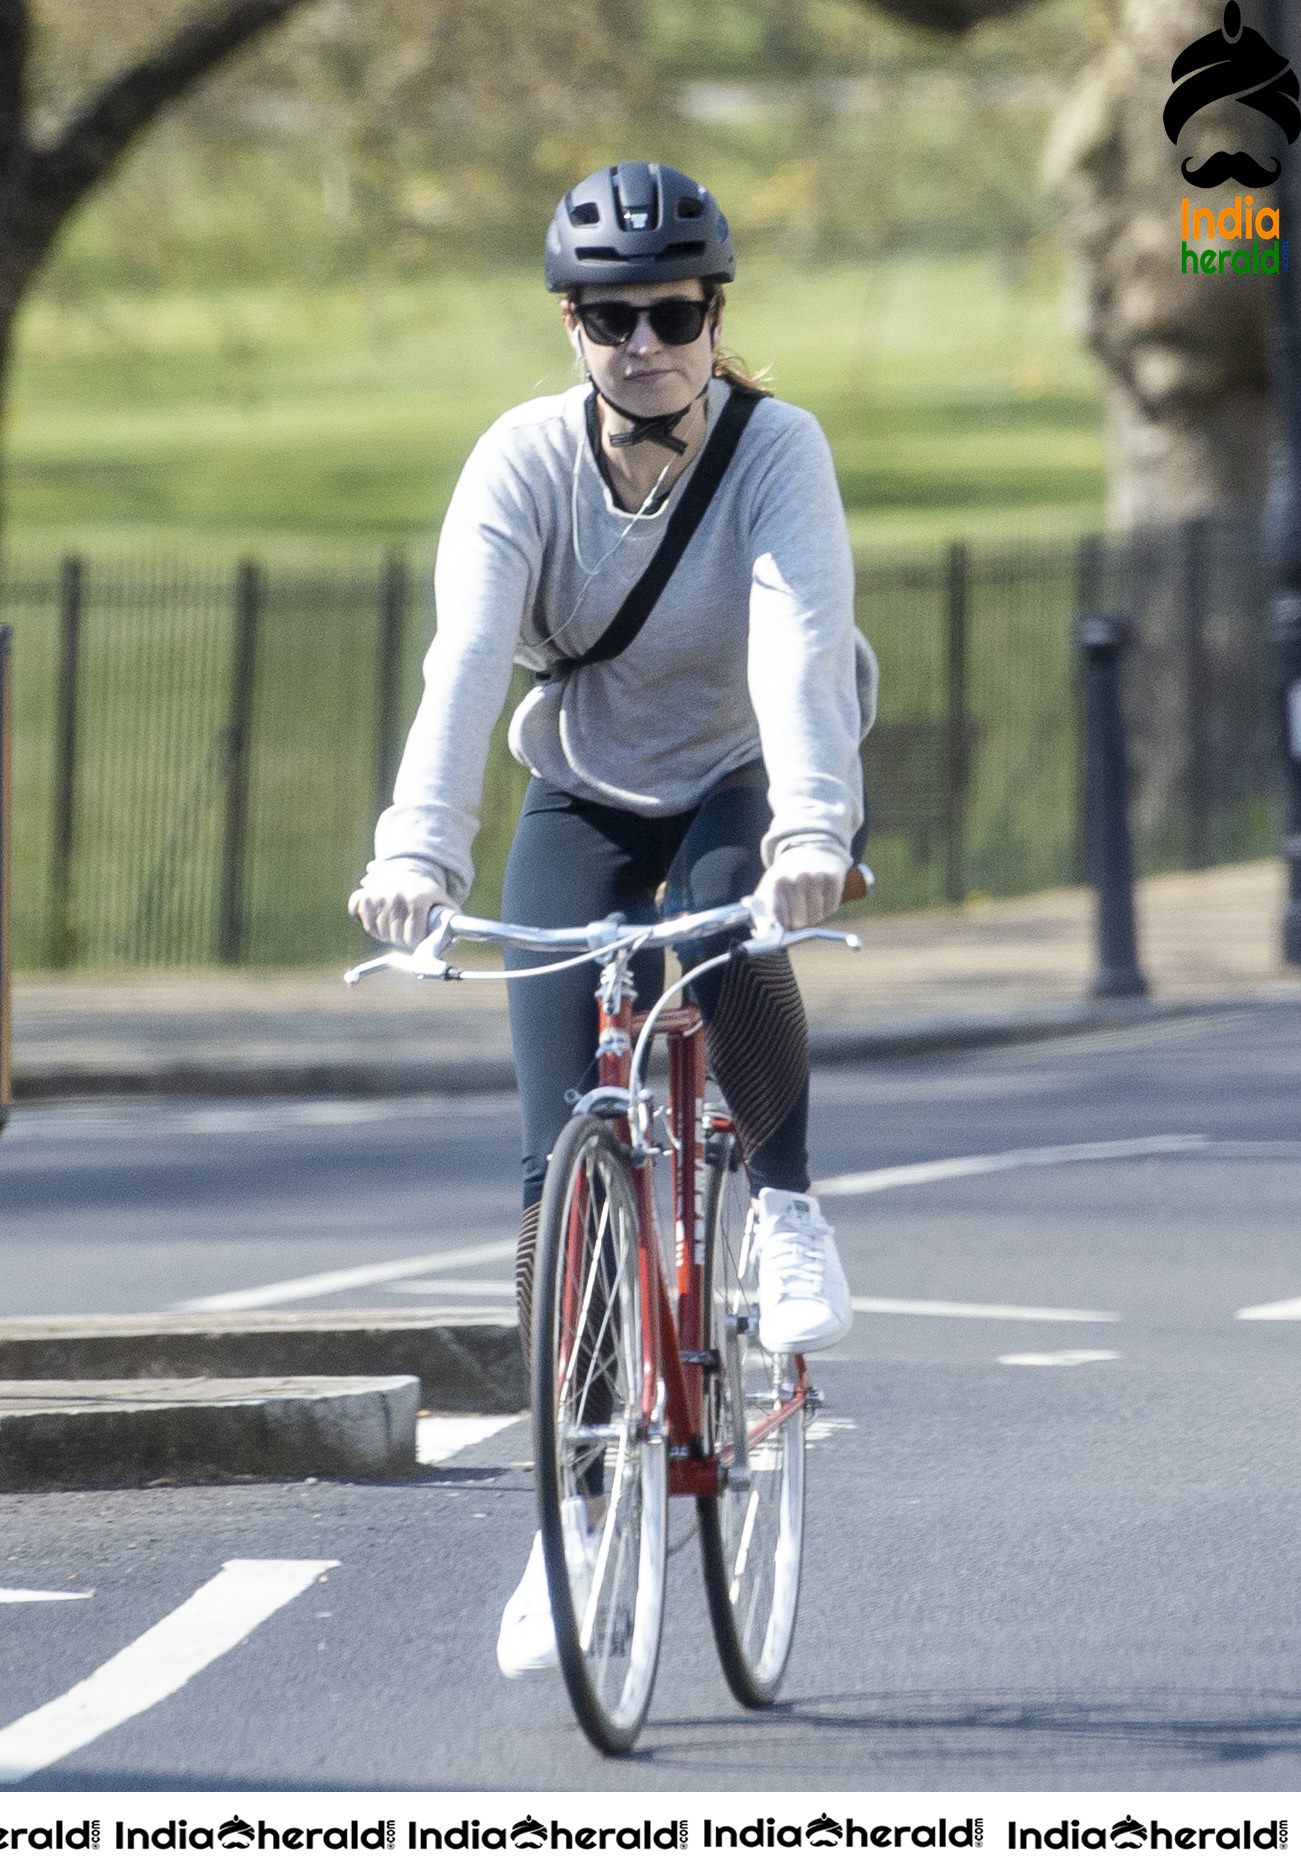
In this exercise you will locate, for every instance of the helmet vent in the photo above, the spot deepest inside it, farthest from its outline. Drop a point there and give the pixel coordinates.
(690, 208)
(681, 250)
(585, 215)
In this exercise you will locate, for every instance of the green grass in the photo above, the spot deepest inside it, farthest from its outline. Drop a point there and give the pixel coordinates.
(290, 421)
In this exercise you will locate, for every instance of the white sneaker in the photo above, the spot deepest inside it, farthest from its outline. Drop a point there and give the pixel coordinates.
(804, 1302)
(526, 1640)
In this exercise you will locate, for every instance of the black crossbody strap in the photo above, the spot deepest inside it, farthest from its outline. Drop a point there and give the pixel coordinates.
(686, 517)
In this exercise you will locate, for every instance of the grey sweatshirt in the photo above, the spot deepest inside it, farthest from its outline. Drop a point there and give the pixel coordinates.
(750, 650)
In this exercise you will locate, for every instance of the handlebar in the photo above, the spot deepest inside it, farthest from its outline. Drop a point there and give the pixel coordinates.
(602, 939)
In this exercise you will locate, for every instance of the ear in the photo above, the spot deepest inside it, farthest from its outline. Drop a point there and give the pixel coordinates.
(573, 329)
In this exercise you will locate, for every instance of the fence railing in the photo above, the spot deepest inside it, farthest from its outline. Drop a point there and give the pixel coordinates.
(199, 755)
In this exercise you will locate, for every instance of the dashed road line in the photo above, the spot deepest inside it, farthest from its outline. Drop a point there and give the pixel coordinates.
(439, 1439)
(977, 1310)
(1271, 1310)
(939, 1170)
(1084, 1357)
(24, 1596)
(156, 1665)
(339, 1280)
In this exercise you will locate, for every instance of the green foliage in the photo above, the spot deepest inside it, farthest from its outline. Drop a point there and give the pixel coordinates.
(264, 416)
(377, 140)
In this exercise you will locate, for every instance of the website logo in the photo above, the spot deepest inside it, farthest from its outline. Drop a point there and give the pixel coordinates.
(1238, 63)
(825, 1831)
(1235, 62)
(1073, 1836)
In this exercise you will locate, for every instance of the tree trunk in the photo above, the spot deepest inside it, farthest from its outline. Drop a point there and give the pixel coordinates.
(1188, 402)
(1190, 422)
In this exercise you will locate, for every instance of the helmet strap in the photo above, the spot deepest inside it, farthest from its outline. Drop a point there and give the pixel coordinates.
(652, 428)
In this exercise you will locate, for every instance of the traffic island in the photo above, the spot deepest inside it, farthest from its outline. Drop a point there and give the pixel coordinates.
(101, 1433)
(459, 1364)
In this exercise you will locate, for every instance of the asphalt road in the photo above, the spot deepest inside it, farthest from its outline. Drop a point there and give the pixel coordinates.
(1051, 1549)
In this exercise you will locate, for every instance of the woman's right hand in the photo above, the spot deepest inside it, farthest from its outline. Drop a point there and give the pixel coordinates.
(393, 904)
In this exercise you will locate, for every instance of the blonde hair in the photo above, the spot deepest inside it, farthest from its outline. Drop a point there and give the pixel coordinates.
(728, 366)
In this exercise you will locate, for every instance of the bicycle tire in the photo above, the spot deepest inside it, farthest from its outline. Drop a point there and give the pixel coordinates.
(607, 1603)
(751, 1537)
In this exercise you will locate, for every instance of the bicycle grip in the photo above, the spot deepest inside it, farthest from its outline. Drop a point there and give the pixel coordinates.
(859, 883)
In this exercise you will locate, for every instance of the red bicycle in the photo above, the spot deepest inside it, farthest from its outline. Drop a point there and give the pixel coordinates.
(648, 1376)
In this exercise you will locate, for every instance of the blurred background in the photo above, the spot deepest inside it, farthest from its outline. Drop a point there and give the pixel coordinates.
(297, 273)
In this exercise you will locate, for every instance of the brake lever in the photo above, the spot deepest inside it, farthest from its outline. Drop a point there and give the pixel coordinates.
(425, 961)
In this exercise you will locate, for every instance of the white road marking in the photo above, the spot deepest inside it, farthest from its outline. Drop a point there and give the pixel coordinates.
(438, 1439)
(938, 1170)
(339, 1280)
(976, 1310)
(1271, 1310)
(823, 1427)
(21, 1596)
(1053, 1359)
(157, 1664)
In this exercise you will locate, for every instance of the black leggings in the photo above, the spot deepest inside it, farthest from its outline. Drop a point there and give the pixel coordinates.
(572, 862)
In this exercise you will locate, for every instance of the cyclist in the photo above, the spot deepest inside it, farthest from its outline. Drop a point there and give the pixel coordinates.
(715, 755)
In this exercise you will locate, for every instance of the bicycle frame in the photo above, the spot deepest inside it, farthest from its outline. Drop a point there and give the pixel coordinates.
(675, 1356)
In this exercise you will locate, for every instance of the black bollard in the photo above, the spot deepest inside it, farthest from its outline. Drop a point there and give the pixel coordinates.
(1283, 30)
(1106, 806)
(1285, 648)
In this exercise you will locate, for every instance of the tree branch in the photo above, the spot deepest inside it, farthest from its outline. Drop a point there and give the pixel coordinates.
(61, 174)
(953, 17)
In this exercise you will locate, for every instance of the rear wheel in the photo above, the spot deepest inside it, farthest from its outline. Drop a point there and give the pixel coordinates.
(602, 1483)
(752, 1535)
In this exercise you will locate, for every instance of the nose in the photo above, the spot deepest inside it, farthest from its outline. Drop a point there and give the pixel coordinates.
(643, 338)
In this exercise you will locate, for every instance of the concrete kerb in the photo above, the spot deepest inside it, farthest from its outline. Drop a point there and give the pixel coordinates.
(457, 1364)
(491, 1070)
(106, 1433)
(120, 1399)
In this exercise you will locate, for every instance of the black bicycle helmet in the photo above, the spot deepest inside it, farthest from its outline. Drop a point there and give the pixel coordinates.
(634, 225)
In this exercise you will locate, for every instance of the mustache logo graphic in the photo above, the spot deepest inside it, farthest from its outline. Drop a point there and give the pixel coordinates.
(1236, 63)
(1224, 168)
(824, 1825)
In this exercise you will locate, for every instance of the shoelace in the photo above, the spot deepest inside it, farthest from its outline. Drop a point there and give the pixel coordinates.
(796, 1259)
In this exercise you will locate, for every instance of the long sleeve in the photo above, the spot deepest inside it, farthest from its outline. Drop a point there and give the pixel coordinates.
(484, 578)
(811, 675)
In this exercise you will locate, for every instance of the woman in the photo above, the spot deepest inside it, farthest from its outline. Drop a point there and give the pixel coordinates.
(716, 754)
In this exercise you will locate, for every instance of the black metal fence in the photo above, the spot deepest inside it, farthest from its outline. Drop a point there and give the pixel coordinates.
(199, 755)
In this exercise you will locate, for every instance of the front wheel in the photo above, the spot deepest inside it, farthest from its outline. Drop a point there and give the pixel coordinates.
(752, 1535)
(602, 1478)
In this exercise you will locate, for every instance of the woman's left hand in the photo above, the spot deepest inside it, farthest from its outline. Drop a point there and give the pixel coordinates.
(802, 886)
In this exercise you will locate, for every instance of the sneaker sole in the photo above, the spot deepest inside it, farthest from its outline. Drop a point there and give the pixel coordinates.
(818, 1345)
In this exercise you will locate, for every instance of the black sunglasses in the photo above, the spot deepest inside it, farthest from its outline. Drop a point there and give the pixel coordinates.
(673, 321)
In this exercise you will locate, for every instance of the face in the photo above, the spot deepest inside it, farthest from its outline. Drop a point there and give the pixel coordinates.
(646, 375)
